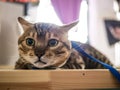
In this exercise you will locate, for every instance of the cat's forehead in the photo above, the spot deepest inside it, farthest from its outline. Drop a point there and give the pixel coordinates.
(45, 27)
(42, 31)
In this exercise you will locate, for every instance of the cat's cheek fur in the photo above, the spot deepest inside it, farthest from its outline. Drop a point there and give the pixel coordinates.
(30, 59)
(61, 60)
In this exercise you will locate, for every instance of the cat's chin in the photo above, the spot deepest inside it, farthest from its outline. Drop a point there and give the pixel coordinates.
(41, 65)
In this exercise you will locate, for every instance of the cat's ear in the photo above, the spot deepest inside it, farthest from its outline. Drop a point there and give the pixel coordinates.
(25, 24)
(67, 27)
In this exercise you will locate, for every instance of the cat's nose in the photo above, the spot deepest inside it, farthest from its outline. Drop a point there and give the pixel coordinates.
(39, 54)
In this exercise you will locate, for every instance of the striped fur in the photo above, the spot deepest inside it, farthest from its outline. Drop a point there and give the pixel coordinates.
(45, 45)
(89, 64)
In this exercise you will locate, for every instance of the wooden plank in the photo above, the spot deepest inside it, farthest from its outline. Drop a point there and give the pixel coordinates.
(6, 67)
(56, 79)
(24, 80)
(24, 76)
(25, 86)
(83, 79)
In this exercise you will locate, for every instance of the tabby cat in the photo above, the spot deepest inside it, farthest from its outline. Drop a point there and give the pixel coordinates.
(46, 46)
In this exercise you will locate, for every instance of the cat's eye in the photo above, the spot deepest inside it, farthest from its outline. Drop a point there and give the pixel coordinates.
(52, 42)
(30, 42)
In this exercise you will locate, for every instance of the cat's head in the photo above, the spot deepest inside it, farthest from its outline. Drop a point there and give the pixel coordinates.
(44, 44)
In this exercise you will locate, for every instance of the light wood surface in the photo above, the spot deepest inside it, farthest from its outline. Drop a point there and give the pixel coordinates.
(11, 79)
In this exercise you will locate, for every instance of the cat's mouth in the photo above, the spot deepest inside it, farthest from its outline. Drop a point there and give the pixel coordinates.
(43, 65)
(40, 64)
(39, 60)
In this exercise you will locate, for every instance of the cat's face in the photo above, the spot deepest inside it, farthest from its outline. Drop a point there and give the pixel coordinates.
(44, 44)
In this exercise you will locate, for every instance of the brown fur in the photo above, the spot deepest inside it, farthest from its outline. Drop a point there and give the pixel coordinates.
(35, 48)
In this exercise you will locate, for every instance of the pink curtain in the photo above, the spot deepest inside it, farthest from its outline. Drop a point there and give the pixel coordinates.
(67, 10)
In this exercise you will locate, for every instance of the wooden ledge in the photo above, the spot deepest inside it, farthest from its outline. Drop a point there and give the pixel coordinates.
(57, 79)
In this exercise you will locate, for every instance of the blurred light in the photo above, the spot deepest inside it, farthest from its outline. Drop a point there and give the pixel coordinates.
(117, 54)
(115, 6)
(118, 15)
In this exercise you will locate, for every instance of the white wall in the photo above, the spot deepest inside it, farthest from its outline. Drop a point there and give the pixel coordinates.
(98, 11)
(9, 32)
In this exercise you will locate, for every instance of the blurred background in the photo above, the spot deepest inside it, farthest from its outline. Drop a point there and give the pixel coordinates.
(97, 18)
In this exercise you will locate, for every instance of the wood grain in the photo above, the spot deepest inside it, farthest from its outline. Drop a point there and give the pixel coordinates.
(24, 80)
(83, 79)
(56, 79)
